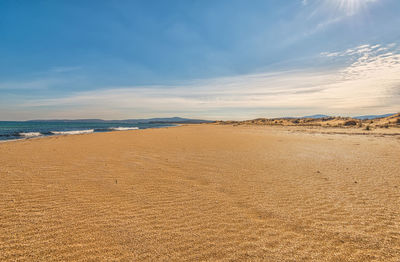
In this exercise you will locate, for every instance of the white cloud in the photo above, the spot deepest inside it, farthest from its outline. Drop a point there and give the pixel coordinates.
(362, 50)
(369, 84)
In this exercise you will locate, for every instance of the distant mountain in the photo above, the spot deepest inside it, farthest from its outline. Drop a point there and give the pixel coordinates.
(171, 120)
(315, 116)
(168, 120)
(372, 116)
(69, 120)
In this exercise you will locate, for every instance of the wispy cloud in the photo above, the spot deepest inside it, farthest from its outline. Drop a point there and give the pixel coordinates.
(369, 83)
(34, 84)
(42, 80)
(365, 50)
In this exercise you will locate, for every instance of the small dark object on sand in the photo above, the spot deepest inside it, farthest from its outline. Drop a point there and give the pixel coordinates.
(350, 123)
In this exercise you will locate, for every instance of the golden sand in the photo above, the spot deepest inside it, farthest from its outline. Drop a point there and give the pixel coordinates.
(201, 193)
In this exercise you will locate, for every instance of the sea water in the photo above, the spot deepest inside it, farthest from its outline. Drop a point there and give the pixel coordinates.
(10, 130)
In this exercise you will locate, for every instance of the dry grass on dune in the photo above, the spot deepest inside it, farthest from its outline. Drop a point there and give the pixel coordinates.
(329, 122)
(197, 193)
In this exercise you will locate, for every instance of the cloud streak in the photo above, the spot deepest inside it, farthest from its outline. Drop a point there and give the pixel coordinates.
(369, 83)
(35, 84)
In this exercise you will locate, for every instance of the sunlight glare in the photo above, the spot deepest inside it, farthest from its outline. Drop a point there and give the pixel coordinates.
(351, 7)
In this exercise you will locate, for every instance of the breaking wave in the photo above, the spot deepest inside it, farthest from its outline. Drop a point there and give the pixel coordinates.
(74, 132)
(124, 128)
(29, 134)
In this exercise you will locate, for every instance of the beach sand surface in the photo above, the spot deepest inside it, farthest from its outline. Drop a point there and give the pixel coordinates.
(201, 193)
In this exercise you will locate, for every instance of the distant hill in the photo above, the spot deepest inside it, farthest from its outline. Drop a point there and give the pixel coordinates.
(315, 116)
(171, 120)
(68, 120)
(372, 116)
(366, 117)
(168, 120)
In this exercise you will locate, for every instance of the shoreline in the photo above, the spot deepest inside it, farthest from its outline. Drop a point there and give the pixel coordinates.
(324, 130)
(83, 133)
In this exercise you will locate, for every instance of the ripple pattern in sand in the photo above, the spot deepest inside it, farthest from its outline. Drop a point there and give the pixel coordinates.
(200, 193)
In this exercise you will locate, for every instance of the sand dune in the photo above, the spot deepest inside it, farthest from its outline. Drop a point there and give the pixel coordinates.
(329, 122)
(201, 193)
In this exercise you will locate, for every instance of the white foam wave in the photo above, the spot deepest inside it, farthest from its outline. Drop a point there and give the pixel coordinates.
(30, 134)
(75, 132)
(124, 128)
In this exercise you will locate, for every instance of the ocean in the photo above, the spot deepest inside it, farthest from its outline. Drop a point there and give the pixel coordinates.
(10, 130)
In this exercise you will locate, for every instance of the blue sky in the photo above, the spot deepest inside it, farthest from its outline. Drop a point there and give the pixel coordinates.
(205, 59)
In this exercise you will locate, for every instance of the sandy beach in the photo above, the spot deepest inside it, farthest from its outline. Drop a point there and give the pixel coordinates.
(201, 193)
